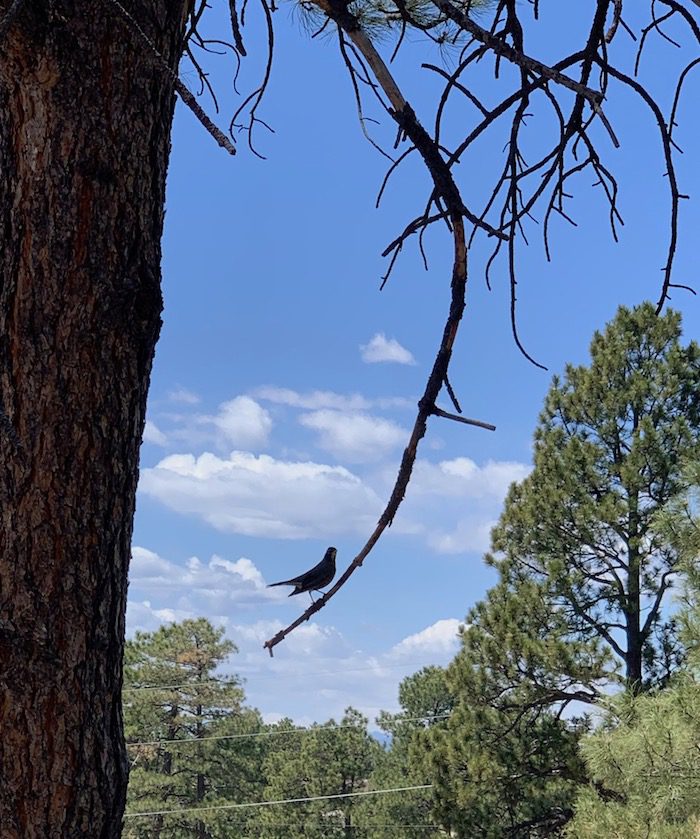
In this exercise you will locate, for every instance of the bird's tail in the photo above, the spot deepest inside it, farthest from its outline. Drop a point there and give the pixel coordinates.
(282, 583)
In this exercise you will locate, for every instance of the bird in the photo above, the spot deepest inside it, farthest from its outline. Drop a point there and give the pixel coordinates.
(314, 579)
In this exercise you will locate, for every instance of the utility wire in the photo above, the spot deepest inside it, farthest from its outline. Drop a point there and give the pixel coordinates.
(406, 829)
(269, 674)
(250, 804)
(202, 683)
(276, 732)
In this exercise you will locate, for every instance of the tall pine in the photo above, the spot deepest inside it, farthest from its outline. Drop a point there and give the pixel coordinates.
(585, 564)
(609, 452)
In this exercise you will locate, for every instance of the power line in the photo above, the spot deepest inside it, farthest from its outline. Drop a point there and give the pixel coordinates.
(276, 732)
(250, 804)
(198, 684)
(262, 674)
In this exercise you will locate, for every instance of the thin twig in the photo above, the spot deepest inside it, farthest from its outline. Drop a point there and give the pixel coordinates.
(526, 62)
(666, 144)
(257, 95)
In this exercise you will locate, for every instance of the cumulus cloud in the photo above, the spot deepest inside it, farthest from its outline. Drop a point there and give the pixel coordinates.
(262, 496)
(455, 503)
(142, 616)
(242, 422)
(470, 535)
(461, 476)
(153, 434)
(383, 349)
(441, 638)
(451, 505)
(309, 639)
(196, 585)
(312, 400)
(354, 437)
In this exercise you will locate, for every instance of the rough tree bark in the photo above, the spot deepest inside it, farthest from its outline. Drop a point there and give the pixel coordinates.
(85, 118)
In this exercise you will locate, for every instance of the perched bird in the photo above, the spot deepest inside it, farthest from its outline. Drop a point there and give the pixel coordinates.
(315, 579)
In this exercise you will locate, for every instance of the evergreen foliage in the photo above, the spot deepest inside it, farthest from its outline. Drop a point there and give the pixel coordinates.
(644, 758)
(426, 703)
(330, 759)
(645, 767)
(171, 771)
(585, 562)
(609, 451)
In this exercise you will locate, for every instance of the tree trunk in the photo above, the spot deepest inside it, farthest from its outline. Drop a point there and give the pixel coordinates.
(201, 780)
(633, 610)
(85, 118)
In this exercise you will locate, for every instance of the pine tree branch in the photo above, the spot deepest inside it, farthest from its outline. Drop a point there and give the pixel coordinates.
(596, 625)
(664, 585)
(499, 47)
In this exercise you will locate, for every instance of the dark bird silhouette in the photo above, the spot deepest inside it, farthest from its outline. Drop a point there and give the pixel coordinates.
(315, 579)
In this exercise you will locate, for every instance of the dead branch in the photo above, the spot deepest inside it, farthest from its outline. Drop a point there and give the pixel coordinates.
(675, 194)
(448, 192)
(499, 47)
(438, 412)
(522, 185)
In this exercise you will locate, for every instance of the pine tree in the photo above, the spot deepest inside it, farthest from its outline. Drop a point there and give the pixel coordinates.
(174, 703)
(643, 759)
(328, 759)
(644, 765)
(609, 450)
(426, 703)
(584, 564)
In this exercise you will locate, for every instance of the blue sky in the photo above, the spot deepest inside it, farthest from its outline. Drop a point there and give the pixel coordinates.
(274, 427)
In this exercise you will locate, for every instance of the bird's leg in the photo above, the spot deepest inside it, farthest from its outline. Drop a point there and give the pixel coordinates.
(312, 597)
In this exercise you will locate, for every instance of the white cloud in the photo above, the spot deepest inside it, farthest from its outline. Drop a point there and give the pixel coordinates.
(455, 503)
(184, 396)
(451, 505)
(470, 535)
(162, 591)
(210, 586)
(141, 616)
(242, 422)
(312, 400)
(245, 569)
(354, 437)
(147, 564)
(441, 638)
(319, 399)
(262, 496)
(153, 434)
(463, 477)
(380, 348)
